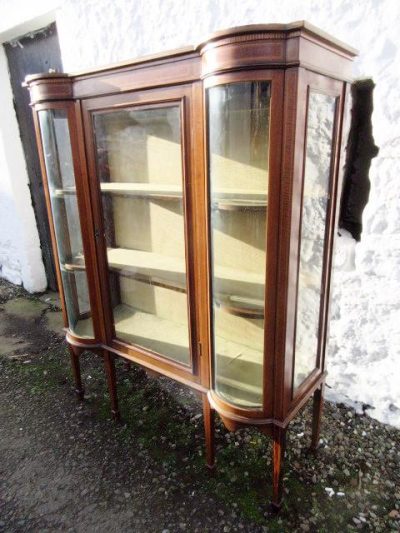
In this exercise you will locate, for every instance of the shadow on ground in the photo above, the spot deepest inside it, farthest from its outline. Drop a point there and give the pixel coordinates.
(64, 465)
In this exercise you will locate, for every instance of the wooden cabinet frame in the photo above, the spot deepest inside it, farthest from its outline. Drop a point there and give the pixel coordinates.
(295, 59)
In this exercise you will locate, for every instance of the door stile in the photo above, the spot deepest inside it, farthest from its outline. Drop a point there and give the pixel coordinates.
(289, 214)
(200, 233)
(272, 236)
(98, 227)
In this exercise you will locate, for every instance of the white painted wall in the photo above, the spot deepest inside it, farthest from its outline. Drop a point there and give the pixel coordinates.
(20, 254)
(364, 342)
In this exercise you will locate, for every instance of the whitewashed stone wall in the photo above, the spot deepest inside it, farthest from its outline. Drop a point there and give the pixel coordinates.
(364, 342)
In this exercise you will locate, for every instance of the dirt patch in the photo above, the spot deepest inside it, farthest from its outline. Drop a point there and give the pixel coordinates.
(64, 465)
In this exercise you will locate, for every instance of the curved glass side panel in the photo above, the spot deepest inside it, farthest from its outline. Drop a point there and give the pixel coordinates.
(139, 165)
(64, 205)
(320, 125)
(238, 146)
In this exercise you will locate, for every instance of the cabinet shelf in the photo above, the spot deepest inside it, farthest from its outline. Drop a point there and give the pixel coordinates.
(240, 305)
(224, 199)
(239, 204)
(168, 337)
(155, 191)
(172, 268)
(170, 273)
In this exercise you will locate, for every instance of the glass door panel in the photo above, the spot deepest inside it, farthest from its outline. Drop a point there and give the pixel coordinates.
(64, 206)
(238, 139)
(317, 172)
(139, 165)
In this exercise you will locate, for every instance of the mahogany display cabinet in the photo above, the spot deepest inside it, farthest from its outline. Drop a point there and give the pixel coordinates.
(193, 199)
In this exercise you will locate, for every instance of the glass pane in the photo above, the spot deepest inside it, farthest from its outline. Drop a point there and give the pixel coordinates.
(139, 158)
(61, 179)
(320, 122)
(238, 131)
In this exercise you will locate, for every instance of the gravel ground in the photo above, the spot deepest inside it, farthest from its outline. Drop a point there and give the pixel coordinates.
(65, 466)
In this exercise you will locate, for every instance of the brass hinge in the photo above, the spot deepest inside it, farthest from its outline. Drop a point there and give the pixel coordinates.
(200, 349)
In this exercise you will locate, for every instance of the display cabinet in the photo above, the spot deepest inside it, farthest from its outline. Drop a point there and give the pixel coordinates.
(193, 199)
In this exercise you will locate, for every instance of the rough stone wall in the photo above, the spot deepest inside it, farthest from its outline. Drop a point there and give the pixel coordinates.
(364, 340)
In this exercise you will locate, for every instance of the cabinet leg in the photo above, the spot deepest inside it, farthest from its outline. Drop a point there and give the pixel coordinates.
(109, 366)
(278, 458)
(76, 371)
(318, 405)
(209, 429)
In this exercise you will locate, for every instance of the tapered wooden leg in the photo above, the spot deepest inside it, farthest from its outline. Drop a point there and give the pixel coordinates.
(76, 371)
(279, 444)
(209, 429)
(109, 366)
(318, 405)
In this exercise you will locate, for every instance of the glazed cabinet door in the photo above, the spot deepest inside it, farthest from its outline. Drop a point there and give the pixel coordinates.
(143, 186)
(243, 113)
(56, 127)
(324, 100)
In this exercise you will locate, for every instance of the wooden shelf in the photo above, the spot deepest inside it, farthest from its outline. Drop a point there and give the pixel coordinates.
(240, 305)
(170, 273)
(61, 193)
(240, 204)
(158, 191)
(74, 265)
(171, 268)
(165, 337)
(223, 199)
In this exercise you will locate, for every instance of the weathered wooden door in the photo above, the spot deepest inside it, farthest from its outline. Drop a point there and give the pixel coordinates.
(30, 54)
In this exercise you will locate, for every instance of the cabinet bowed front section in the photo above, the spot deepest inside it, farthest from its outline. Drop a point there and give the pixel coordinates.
(193, 199)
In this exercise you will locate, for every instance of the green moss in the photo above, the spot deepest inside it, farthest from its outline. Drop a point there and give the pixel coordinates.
(25, 308)
(153, 421)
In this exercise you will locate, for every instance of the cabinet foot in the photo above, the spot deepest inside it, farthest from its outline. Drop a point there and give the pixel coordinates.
(279, 444)
(209, 429)
(76, 371)
(109, 366)
(318, 405)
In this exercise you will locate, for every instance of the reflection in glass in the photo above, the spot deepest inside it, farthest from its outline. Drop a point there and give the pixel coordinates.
(320, 122)
(238, 130)
(64, 206)
(139, 163)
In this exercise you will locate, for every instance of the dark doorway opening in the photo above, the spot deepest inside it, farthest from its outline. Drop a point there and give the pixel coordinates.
(35, 52)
